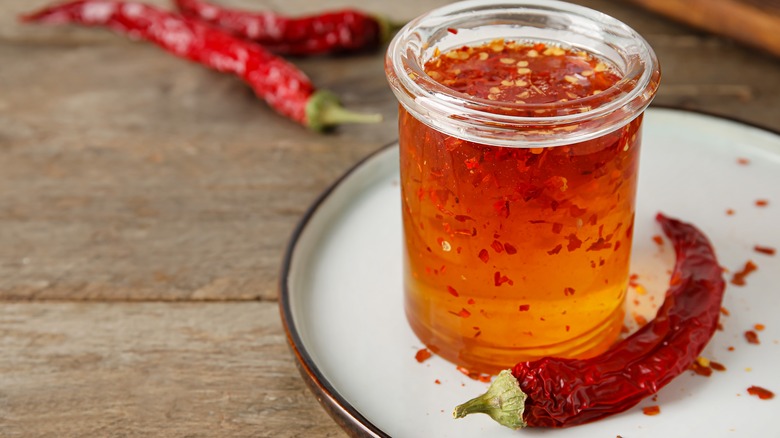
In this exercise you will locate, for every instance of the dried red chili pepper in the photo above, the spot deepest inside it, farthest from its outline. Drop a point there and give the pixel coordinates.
(283, 86)
(346, 30)
(553, 392)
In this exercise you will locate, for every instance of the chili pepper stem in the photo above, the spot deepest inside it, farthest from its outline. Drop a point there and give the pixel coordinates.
(503, 402)
(323, 110)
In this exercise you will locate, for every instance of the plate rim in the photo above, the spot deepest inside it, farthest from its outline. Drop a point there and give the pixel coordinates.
(339, 409)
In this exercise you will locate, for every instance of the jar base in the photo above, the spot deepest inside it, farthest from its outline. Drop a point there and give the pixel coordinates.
(489, 360)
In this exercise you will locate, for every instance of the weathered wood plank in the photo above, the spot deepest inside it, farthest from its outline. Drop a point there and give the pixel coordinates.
(151, 369)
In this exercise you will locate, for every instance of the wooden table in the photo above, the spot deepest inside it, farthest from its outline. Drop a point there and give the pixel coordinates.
(145, 203)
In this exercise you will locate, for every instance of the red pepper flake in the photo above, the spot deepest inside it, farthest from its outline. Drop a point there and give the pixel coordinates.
(524, 307)
(762, 393)
(437, 381)
(471, 301)
(599, 245)
(762, 202)
(501, 279)
(651, 410)
(593, 219)
(764, 250)
(555, 250)
(658, 240)
(752, 337)
(739, 277)
(632, 280)
(484, 256)
(725, 311)
(568, 291)
(574, 242)
(502, 208)
(471, 163)
(730, 212)
(452, 291)
(463, 218)
(422, 355)
(452, 30)
(497, 246)
(743, 161)
(557, 227)
(699, 368)
(510, 250)
(639, 319)
(731, 348)
(759, 327)
(717, 366)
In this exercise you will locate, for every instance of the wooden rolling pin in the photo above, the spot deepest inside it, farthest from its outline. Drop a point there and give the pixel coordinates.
(752, 22)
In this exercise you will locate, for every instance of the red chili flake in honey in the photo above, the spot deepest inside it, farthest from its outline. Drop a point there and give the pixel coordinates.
(759, 327)
(574, 242)
(752, 337)
(497, 246)
(452, 30)
(762, 393)
(484, 256)
(471, 301)
(501, 279)
(555, 250)
(651, 410)
(599, 245)
(471, 163)
(743, 161)
(510, 250)
(658, 240)
(568, 291)
(524, 307)
(764, 250)
(422, 355)
(717, 366)
(452, 291)
(762, 203)
(557, 227)
(739, 276)
(463, 218)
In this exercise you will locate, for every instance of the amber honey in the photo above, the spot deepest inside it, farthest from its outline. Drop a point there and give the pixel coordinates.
(514, 253)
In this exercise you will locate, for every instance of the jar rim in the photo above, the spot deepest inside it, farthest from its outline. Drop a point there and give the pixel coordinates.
(469, 117)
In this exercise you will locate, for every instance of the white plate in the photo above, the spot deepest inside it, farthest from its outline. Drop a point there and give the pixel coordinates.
(341, 294)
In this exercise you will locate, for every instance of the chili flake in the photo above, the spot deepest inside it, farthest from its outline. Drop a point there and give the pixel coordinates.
(759, 327)
(764, 250)
(452, 291)
(739, 276)
(524, 307)
(717, 366)
(484, 256)
(568, 291)
(651, 410)
(762, 393)
(752, 337)
(422, 355)
(762, 203)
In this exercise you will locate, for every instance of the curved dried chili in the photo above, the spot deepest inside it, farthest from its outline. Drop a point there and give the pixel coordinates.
(282, 85)
(553, 392)
(345, 30)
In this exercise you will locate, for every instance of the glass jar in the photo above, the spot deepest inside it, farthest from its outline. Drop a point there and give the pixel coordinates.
(518, 211)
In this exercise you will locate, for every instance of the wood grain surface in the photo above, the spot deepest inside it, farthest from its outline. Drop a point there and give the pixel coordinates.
(145, 203)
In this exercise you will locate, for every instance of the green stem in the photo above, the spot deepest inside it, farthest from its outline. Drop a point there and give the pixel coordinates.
(323, 111)
(503, 402)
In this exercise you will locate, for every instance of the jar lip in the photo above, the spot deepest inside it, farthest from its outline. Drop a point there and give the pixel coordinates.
(427, 98)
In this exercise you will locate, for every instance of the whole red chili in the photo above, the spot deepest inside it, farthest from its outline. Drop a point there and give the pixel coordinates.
(553, 392)
(283, 86)
(330, 32)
